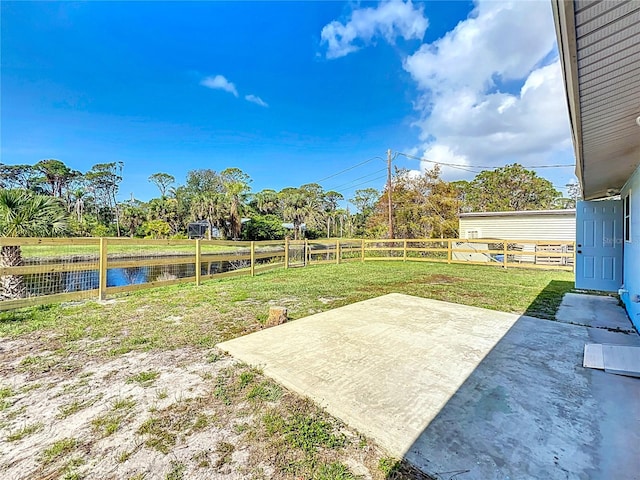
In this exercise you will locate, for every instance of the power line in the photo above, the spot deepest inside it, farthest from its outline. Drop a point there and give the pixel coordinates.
(466, 167)
(341, 188)
(348, 169)
(452, 165)
(363, 183)
(356, 179)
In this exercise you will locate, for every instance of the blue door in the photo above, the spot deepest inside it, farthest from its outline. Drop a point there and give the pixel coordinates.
(599, 245)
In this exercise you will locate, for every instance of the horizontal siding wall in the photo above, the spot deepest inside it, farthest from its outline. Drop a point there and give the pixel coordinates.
(525, 227)
(631, 262)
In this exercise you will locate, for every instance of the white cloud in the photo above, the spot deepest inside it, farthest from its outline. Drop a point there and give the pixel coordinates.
(219, 83)
(464, 117)
(257, 100)
(489, 92)
(491, 128)
(499, 39)
(388, 20)
(413, 174)
(440, 153)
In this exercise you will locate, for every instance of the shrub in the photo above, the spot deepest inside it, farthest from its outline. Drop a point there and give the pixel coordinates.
(263, 227)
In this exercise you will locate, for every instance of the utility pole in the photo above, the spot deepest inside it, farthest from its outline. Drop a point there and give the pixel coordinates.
(389, 193)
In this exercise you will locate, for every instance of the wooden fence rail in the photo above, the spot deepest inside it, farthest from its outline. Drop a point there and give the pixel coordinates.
(62, 269)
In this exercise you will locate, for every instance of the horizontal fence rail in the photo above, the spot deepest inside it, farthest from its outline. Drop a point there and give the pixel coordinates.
(35, 271)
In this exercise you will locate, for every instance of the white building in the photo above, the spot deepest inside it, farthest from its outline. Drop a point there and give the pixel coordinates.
(522, 225)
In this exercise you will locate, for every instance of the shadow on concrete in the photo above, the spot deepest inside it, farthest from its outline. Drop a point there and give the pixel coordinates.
(529, 410)
(548, 300)
(462, 392)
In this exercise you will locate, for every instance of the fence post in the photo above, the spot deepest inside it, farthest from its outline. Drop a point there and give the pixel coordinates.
(286, 252)
(102, 282)
(404, 251)
(307, 253)
(338, 251)
(198, 262)
(449, 255)
(253, 258)
(505, 250)
(362, 251)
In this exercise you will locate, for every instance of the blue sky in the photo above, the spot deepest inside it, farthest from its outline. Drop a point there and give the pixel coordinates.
(290, 92)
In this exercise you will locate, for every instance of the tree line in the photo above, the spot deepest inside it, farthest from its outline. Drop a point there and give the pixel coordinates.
(422, 205)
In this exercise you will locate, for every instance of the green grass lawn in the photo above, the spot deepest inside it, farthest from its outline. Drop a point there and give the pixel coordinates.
(49, 251)
(183, 315)
(71, 358)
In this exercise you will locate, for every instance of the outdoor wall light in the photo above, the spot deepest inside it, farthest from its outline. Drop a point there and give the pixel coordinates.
(638, 121)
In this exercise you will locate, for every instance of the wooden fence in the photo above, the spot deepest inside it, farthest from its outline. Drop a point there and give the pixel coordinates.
(63, 269)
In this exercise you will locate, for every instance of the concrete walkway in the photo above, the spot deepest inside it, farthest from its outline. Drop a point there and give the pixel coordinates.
(594, 311)
(461, 390)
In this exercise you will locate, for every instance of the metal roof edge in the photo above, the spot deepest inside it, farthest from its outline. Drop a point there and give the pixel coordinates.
(564, 19)
(521, 213)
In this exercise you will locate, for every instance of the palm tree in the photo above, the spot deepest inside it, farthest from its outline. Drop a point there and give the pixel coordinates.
(78, 205)
(209, 206)
(235, 185)
(23, 214)
(235, 198)
(295, 208)
(330, 202)
(266, 201)
(133, 216)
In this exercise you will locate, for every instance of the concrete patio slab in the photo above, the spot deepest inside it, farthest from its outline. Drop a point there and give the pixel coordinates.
(461, 392)
(596, 311)
(621, 360)
(593, 357)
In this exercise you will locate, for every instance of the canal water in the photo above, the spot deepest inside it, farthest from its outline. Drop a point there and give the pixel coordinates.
(76, 281)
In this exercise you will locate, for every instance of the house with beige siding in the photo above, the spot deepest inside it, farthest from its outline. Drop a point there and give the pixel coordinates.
(523, 225)
(600, 58)
(531, 231)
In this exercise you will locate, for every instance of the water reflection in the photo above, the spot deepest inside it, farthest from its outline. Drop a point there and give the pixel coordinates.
(76, 281)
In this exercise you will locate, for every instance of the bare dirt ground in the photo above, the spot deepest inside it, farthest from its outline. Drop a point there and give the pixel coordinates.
(184, 413)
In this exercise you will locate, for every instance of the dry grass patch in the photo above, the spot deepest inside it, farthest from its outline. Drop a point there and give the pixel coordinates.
(59, 449)
(24, 431)
(138, 383)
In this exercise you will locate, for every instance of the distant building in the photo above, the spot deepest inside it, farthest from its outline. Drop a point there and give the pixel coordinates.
(290, 226)
(520, 225)
(200, 229)
(556, 226)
